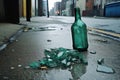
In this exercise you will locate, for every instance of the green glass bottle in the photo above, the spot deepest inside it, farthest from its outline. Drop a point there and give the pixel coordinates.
(79, 33)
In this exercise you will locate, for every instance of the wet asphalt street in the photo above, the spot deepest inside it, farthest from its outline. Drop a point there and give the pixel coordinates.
(49, 33)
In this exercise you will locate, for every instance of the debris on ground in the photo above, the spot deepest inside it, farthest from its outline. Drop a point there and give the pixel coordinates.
(49, 40)
(93, 52)
(26, 29)
(12, 68)
(61, 28)
(35, 65)
(19, 65)
(102, 40)
(43, 67)
(26, 67)
(100, 61)
(59, 57)
(105, 69)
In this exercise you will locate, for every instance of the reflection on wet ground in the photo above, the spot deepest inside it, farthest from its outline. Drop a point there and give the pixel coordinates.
(39, 29)
(30, 46)
(73, 73)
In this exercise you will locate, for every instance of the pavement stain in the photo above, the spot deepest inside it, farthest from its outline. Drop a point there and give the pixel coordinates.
(49, 40)
(26, 29)
(92, 52)
(101, 40)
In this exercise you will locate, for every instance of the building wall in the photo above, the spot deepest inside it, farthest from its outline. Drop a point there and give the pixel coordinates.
(24, 8)
(57, 8)
(40, 7)
(2, 12)
(69, 8)
(63, 4)
(109, 1)
(33, 7)
(89, 4)
(112, 10)
(52, 13)
(44, 7)
(82, 4)
(20, 8)
(11, 11)
(63, 7)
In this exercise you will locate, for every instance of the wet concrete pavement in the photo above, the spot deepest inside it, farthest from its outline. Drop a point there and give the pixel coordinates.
(104, 23)
(30, 45)
(7, 31)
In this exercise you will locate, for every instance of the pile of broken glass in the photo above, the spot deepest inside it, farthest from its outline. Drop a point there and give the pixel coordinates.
(59, 57)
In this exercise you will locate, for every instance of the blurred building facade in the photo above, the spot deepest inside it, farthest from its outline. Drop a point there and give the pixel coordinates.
(57, 8)
(87, 7)
(9, 11)
(52, 13)
(2, 11)
(12, 10)
(44, 7)
(63, 7)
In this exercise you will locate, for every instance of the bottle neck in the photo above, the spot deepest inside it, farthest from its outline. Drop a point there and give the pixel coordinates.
(77, 14)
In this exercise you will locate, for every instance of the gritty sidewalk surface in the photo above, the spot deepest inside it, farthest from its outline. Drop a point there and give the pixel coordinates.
(7, 30)
(49, 33)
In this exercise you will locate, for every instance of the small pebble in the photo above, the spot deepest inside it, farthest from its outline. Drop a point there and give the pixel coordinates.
(61, 28)
(27, 67)
(93, 52)
(48, 40)
(19, 65)
(12, 67)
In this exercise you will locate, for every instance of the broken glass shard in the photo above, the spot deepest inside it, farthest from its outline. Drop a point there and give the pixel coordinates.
(100, 61)
(19, 65)
(34, 65)
(104, 69)
(60, 57)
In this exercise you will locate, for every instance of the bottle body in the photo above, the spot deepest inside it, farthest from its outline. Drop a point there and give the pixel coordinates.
(79, 33)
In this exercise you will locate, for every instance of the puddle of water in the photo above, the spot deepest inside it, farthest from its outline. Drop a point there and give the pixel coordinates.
(39, 29)
(58, 74)
(78, 70)
(61, 64)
